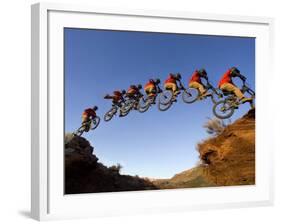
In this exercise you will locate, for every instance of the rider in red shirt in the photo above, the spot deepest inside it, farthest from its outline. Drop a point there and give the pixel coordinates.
(88, 115)
(226, 84)
(134, 93)
(171, 83)
(117, 99)
(151, 89)
(196, 81)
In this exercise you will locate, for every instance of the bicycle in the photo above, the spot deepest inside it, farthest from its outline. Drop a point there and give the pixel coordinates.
(145, 103)
(114, 109)
(109, 114)
(224, 109)
(131, 103)
(191, 95)
(167, 97)
(87, 126)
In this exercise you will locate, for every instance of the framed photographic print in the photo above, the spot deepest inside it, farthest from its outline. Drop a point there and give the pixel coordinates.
(148, 111)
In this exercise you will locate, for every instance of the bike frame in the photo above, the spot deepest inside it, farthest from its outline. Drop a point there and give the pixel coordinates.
(247, 89)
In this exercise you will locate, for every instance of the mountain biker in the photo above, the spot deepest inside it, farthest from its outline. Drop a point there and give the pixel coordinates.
(226, 84)
(88, 115)
(171, 83)
(196, 81)
(151, 88)
(134, 93)
(117, 99)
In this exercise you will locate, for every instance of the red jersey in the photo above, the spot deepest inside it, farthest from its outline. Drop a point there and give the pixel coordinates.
(149, 84)
(195, 77)
(89, 113)
(226, 78)
(171, 79)
(117, 95)
(132, 90)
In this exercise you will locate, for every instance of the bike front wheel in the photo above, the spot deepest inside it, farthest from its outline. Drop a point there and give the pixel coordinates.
(95, 123)
(223, 109)
(108, 115)
(166, 97)
(190, 95)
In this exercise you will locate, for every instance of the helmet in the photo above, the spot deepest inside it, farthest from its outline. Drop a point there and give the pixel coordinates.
(178, 76)
(234, 69)
(157, 81)
(151, 80)
(202, 72)
(95, 108)
(171, 75)
(123, 91)
(133, 86)
(139, 86)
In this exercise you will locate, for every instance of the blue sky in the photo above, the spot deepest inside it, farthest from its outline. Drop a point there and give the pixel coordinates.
(153, 144)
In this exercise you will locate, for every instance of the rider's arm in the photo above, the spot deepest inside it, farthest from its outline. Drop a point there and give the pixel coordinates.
(206, 78)
(238, 74)
(108, 97)
(92, 115)
(242, 77)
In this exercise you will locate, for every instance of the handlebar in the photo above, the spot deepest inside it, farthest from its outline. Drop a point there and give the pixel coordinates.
(181, 86)
(159, 90)
(246, 88)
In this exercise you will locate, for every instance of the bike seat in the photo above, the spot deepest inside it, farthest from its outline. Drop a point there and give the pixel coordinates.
(226, 93)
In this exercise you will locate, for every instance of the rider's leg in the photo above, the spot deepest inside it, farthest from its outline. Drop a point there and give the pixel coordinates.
(85, 123)
(169, 86)
(175, 89)
(147, 90)
(151, 93)
(200, 87)
(120, 111)
(232, 88)
(117, 104)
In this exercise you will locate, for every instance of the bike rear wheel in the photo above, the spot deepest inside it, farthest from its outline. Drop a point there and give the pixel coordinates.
(223, 109)
(80, 131)
(190, 95)
(164, 107)
(109, 114)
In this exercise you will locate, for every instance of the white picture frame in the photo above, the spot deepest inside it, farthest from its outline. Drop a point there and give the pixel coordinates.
(48, 201)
